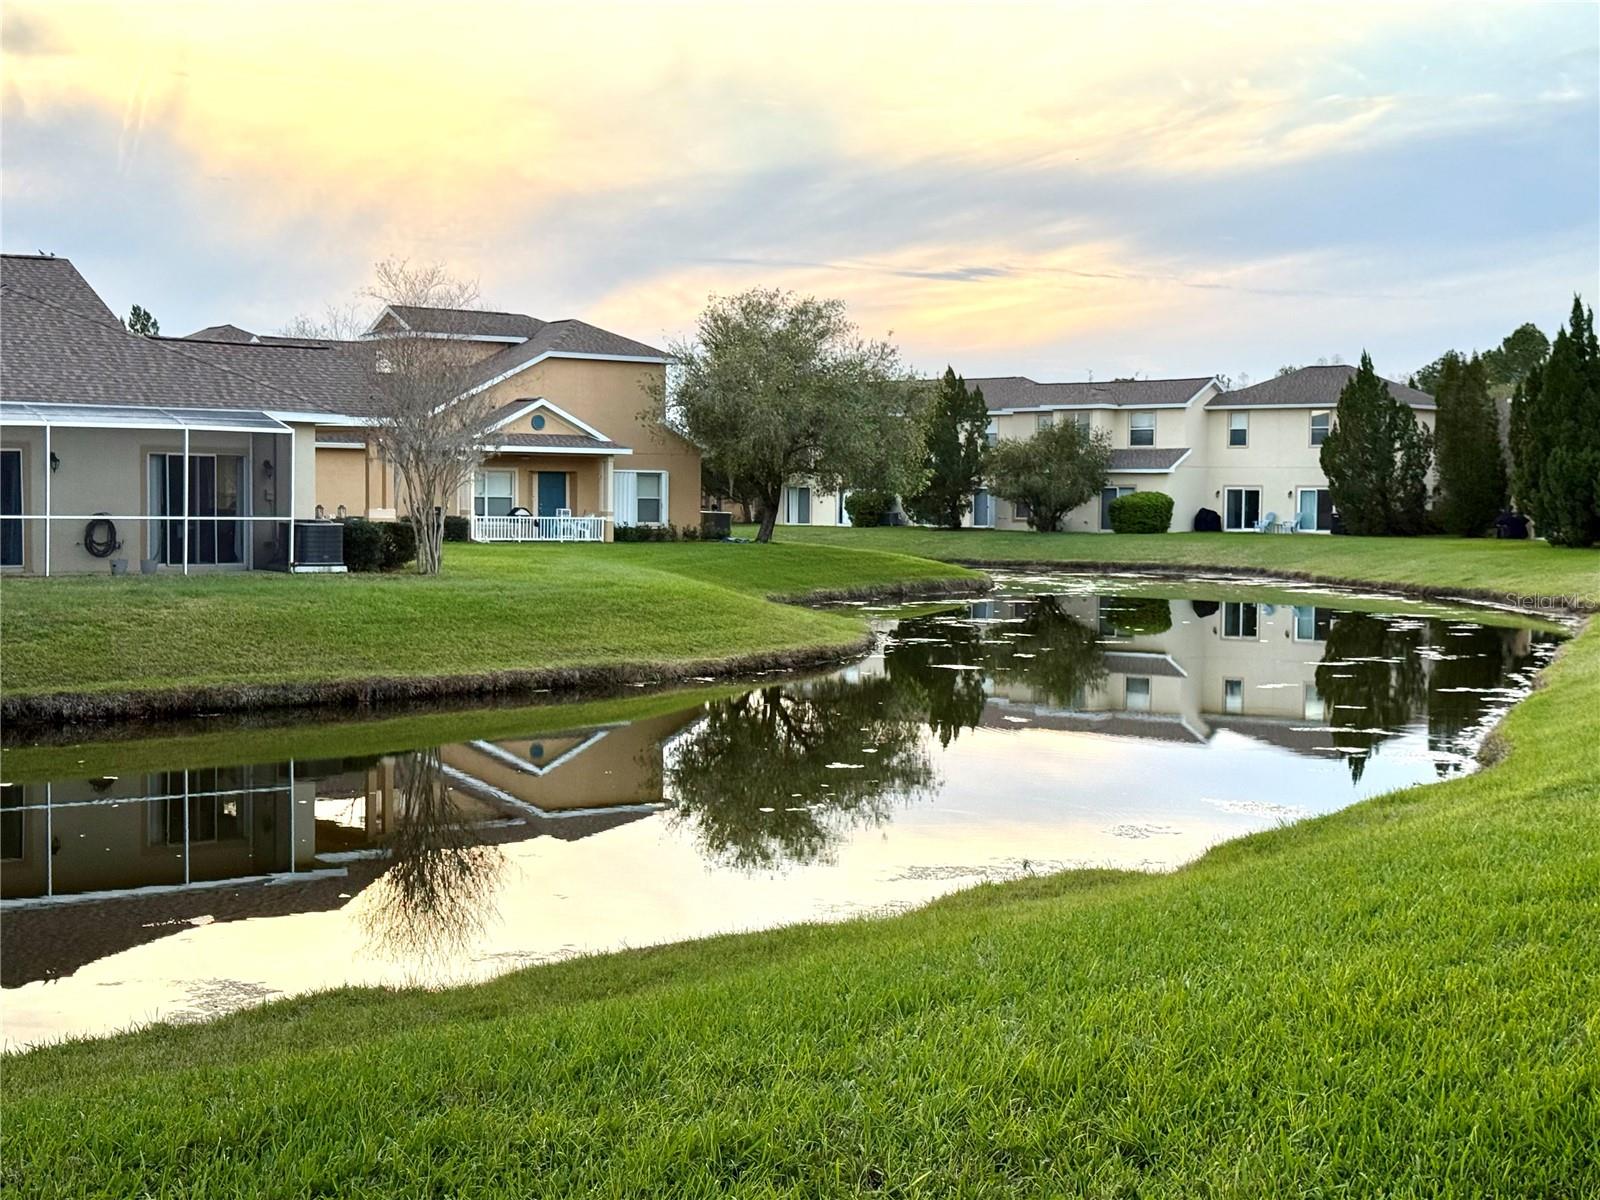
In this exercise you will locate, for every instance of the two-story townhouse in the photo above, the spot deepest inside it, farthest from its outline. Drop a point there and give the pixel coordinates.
(1153, 426)
(1260, 454)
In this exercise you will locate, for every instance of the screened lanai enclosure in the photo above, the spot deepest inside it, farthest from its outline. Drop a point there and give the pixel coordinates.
(89, 488)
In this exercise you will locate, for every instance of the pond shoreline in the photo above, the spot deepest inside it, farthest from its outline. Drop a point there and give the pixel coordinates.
(37, 713)
(1532, 603)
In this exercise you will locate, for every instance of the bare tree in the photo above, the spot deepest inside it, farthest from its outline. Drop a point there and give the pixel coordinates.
(429, 426)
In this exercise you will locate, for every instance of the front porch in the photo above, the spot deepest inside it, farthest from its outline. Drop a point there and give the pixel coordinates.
(559, 528)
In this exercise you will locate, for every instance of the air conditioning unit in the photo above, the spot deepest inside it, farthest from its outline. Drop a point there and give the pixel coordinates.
(318, 546)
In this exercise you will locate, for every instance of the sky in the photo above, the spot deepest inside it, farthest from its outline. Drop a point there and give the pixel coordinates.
(1059, 191)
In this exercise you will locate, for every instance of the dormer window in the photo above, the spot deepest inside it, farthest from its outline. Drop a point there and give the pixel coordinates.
(1142, 429)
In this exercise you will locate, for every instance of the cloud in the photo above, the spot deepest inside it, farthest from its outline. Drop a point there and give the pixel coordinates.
(1069, 185)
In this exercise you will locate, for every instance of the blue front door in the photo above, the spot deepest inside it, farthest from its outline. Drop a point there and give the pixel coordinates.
(552, 492)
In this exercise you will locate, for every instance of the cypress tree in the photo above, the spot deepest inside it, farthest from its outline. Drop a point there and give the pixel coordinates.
(956, 453)
(1556, 426)
(1376, 459)
(1472, 471)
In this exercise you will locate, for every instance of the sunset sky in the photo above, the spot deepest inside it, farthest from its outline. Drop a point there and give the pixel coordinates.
(1041, 190)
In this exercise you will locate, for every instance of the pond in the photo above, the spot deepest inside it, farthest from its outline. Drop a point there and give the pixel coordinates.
(1062, 721)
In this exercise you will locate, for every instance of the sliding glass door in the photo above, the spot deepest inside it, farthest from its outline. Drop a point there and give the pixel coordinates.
(216, 489)
(10, 508)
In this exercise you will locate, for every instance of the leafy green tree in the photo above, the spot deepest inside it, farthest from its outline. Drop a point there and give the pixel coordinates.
(143, 322)
(1520, 353)
(955, 453)
(1555, 426)
(1053, 472)
(1472, 469)
(775, 387)
(1376, 459)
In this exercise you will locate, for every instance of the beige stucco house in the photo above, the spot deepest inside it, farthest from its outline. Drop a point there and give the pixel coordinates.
(225, 449)
(1251, 455)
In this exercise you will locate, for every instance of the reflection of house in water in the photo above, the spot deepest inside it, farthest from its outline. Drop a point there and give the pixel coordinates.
(91, 867)
(1181, 670)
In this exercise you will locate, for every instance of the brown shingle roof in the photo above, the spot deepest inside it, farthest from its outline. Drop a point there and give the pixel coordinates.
(467, 321)
(1310, 387)
(554, 441)
(1005, 392)
(1147, 458)
(319, 377)
(220, 333)
(57, 281)
(53, 355)
(562, 337)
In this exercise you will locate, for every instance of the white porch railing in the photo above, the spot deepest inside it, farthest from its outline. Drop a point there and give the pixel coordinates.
(538, 529)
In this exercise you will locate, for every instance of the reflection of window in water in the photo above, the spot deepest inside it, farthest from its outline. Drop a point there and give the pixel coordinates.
(1233, 695)
(1239, 620)
(1314, 707)
(1311, 624)
(1136, 697)
(204, 804)
(11, 801)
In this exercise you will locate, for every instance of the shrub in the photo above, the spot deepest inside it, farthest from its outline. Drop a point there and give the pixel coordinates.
(363, 544)
(1141, 512)
(399, 544)
(868, 507)
(1141, 616)
(458, 529)
(657, 533)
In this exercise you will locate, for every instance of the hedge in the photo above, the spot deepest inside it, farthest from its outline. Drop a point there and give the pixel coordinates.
(1141, 512)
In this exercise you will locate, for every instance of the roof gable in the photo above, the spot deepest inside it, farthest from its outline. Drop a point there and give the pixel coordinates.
(1311, 387)
(58, 282)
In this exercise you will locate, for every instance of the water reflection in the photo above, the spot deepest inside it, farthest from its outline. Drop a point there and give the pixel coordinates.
(1061, 726)
(778, 775)
(438, 890)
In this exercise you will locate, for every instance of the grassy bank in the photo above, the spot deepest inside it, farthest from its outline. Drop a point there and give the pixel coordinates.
(495, 608)
(1394, 999)
(1526, 569)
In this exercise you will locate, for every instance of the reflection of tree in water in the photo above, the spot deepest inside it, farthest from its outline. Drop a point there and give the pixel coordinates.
(1480, 658)
(771, 749)
(951, 700)
(1067, 660)
(438, 891)
(1368, 702)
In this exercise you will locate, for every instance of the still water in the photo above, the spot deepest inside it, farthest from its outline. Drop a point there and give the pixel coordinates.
(1064, 721)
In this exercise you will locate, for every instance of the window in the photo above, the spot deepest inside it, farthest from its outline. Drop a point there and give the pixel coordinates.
(1142, 429)
(1021, 510)
(1081, 420)
(1107, 495)
(494, 493)
(991, 435)
(1314, 710)
(537, 422)
(1238, 429)
(1321, 422)
(652, 494)
(1242, 509)
(1136, 693)
(1044, 421)
(1240, 620)
(1233, 695)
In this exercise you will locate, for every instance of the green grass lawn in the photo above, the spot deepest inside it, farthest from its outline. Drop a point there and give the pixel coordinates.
(1526, 568)
(493, 608)
(1397, 999)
